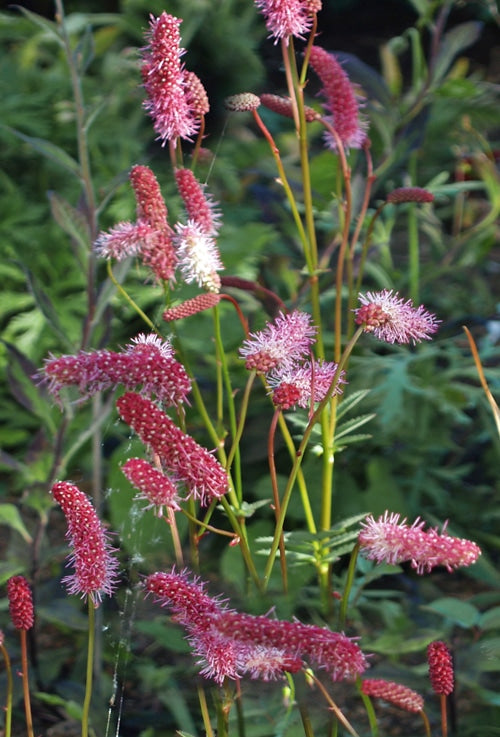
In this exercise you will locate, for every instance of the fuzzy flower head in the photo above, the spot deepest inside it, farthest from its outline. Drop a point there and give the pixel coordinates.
(342, 103)
(285, 18)
(440, 668)
(387, 540)
(20, 603)
(204, 477)
(168, 102)
(92, 557)
(288, 338)
(303, 384)
(395, 693)
(147, 362)
(198, 256)
(391, 319)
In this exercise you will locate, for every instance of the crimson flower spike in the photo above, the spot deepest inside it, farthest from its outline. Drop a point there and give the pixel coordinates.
(22, 616)
(441, 676)
(93, 558)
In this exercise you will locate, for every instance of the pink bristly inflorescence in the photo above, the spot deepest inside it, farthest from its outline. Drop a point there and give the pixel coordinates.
(304, 384)
(396, 693)
(155, 487)
(342, 103)
(288, 338)
(170, 100)
(147, 361)
(180, 454)
(229, 644)
(285, 18)
(20, 603)
(391, 319)
(441, 669)
(389, 540)
(92, 556)
(191, 306)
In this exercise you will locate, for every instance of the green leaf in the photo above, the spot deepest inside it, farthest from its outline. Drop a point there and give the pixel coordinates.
(70, 220)
(46, 307)
(48, 149)
(9, 516)
(48, 26)
(452, 44)
(459, 612)
(347, 427)
(491, 619)
(350, 401)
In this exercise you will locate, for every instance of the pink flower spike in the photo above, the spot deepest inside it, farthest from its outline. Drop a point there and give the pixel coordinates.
(440, 668)
(395, 693)
(155, 487)
(151, 208)
(190, 604)
(391, 319)
(147, 361)
(283, 341)
(124, 240)
(200, 209)
(302, 384)
(163, 75)
(187, 461)
(192, 306)
(199, 259)
(341, 101)
(92, 557)
(20, 603)
(388, 540)
(286, 18)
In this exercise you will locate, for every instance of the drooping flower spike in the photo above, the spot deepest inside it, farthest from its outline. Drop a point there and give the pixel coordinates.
(391, 319)
(182, 457)
(342, 102)
(191, 306)
(287, 339)
(147, 361)
(93, 559)
(387, 540)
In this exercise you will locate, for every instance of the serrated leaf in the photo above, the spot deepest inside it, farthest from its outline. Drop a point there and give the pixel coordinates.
(47, 149)
(70, 220)
(9, 516)
(350, 401)
(359, 438)
(347, 427)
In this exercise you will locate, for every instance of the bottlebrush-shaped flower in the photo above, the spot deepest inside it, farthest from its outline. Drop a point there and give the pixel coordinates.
(147, 361)
(155, 487)
(168, 101)
(303, 384)
(198, 256)
(387, 540)
(283, 341)
(395, 693)
(92, 557)
(187, 461)
(191, 306)
(409, 194)
(200, 209)
(286, 18)
(440, 668)
(391, 319)
(230, 644)
(20, 603)
(341, 100)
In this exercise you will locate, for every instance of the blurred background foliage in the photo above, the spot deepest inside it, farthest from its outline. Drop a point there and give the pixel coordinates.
(432, 98)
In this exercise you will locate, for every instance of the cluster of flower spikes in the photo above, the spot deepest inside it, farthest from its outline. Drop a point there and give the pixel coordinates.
(147, 361)
(387, 540)
(230, 645)
(191, 247)
(280, 352)
(95, 566)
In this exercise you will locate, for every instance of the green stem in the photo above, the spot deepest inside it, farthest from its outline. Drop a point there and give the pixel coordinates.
(243, 542)
(276, 496)
(10, 688)
(26, 686)
(131, 302)
(204, 712)
(90, 668)
(348, 587)
(370, 711)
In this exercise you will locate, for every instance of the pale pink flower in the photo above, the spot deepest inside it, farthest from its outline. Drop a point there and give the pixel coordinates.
(288, 338)
(387, 540)
(124, 240)
(200, 209)
(155, 487)
(147, 362)
(191, 306)
(440, 668)
(198, 256)
(395, 693)
(168, 102)
(20, 603)
(341, 100)
(286, 18)
(391, 319)
(303, 384)
(187, 461)
(92, 557)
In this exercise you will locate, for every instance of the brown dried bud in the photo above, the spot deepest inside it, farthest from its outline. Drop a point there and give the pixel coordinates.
(242, 102)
